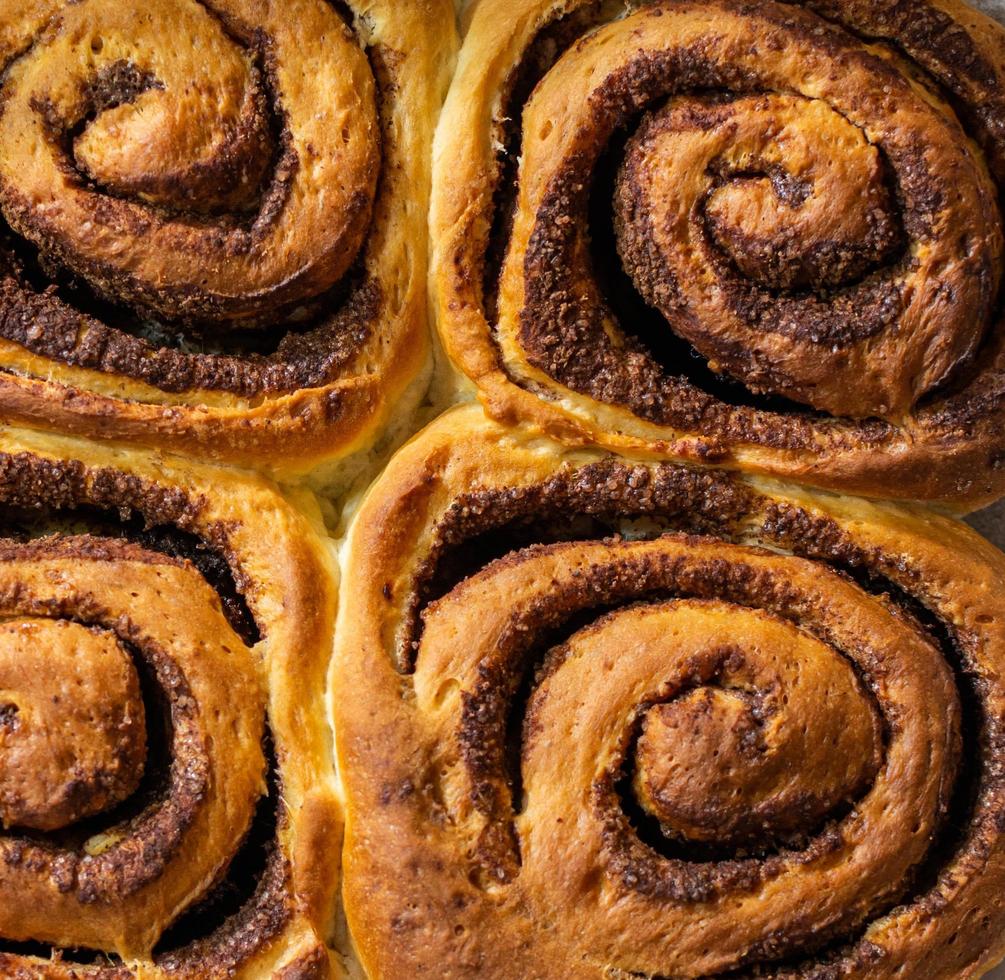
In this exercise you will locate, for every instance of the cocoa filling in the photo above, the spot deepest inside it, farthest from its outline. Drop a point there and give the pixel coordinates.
(117, 84)
(41, 497)
(247, 908)
(574, 505)
(922, 30)
(551, 41)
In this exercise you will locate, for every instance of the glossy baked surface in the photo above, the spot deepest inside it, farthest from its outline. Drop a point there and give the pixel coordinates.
(595, 710)
(213, 221)
(604, 717)
(764, 235)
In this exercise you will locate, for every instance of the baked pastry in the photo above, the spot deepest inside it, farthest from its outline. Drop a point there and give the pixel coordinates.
(763, 235)
(168, 805)
(601, 717)
(213, 221)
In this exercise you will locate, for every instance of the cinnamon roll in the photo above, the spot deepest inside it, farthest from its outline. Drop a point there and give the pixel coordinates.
(167, 794)
(212, 227)
(763, 234)
(604, 717)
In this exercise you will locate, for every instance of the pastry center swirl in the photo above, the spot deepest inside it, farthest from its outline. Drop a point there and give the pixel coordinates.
(793, 194)
(72, 738)
(816, 226)
(728, 723)
(192, 182)
(780, 734)
(73, 742)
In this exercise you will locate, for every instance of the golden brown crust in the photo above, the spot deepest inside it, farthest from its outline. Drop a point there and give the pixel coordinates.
(236, 243)
(526, 631)
(208, 590)
(73, 733)
(820, 222)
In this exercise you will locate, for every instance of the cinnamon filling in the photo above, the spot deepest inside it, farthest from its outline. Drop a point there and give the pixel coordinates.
(792, 299)
(683, 796)
(135, 159)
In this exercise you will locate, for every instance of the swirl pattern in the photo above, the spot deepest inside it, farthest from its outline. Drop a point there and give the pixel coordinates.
(167, 806)
(638, 719)
(765, 234)
(204, 243)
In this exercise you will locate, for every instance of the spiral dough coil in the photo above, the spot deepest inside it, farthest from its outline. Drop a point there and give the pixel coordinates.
(763, 234)
(167, 798)
(639, 719)
(212, 232)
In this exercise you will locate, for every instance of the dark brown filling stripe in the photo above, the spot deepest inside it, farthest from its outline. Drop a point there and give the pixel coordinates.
(494, 531)
(182, 341)
(46, 324)
(618, 329)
